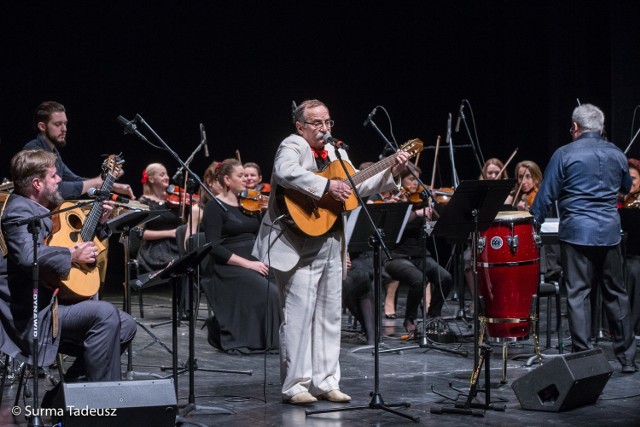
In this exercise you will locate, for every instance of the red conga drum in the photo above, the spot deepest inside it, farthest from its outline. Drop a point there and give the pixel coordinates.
(508, 266)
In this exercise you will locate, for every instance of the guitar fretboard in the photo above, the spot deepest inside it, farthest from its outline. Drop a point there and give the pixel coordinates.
(412, 147)
(90, 224)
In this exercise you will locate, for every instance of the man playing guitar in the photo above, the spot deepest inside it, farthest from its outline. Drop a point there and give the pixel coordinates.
(91, 330)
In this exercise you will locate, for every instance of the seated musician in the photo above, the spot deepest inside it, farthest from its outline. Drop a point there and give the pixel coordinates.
(407, 263)
(159, 245)
(254, 178)
(529, 178)
(50, 119)
(357, 292)
(94, 331)
(246, 305)
(631, 201)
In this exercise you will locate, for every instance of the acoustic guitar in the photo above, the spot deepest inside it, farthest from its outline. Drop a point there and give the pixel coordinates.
(73, 227)
(315, 217)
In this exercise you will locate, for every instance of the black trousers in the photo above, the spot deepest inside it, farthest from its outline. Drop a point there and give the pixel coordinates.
(586, 267)
(97, 332)
(409, 271)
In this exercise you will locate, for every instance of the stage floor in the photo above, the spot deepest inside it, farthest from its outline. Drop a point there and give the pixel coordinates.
(412, 376)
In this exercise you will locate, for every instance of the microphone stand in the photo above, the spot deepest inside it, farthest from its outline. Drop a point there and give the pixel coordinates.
(33, 226)
(454, 171)
(376, 242)
(191, 406)
(177, 158)
(631, 143)
(388, 143)
(189, 160)
(476, 151)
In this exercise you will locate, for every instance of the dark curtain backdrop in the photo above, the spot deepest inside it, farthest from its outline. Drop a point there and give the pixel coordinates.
(236, 66)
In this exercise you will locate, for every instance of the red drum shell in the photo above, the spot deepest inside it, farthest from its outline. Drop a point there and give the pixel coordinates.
(508, 277)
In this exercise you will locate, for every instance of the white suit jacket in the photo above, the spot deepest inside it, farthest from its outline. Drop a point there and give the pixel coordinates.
(294, 167)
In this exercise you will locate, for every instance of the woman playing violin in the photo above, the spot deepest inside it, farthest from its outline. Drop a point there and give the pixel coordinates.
(529, 178)
(492, 168)
(245, 303)
(159, 245)
(632, 199)
(254, 178)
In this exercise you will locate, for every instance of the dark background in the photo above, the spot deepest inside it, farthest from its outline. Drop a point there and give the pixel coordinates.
(236, 66)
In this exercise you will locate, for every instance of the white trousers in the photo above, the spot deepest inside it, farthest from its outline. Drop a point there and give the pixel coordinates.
(311, 298)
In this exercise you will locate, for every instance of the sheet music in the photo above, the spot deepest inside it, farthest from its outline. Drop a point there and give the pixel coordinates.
(550, 225)
(350, 223)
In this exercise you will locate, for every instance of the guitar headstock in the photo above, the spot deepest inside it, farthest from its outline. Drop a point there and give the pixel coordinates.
(413, 147)
(112, 165)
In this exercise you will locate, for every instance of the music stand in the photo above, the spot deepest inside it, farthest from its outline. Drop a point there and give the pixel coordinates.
(172, 273)
(390, 217)
(123, 224)
(472, 209)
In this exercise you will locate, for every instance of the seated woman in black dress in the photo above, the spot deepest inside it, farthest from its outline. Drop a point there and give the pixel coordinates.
(245, 304)
(158, 245)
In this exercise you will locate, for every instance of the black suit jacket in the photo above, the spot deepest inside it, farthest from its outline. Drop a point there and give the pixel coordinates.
(16, 284)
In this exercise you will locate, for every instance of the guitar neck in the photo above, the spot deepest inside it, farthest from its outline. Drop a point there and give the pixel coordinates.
(372, 170)
(90, 224)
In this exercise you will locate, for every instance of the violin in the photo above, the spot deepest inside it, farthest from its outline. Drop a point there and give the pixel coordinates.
(177, 196)
(253, 202)
(631, 201)
(442, 195)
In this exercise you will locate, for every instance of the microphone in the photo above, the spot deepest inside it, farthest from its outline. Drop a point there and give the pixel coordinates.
(203, 137)
(328, 139)
(370, 116)
(105, 195)
(128, 125)
(459, 116)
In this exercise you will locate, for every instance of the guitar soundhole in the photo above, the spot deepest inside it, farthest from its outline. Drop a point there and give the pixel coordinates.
(74, 221)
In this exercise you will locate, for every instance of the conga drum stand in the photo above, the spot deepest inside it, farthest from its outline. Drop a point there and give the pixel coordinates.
(471, 210)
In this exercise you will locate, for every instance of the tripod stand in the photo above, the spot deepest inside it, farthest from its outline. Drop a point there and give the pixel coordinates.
(472, 209)
(376, 243)
(123, 224)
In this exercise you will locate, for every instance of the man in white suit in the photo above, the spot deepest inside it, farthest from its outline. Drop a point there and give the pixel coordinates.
(309, 270)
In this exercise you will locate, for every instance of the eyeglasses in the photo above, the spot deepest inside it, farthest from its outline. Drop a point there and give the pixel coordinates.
(318, 124)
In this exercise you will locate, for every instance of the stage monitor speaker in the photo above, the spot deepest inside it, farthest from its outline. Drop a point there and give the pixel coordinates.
(563, 383)
(113, 403)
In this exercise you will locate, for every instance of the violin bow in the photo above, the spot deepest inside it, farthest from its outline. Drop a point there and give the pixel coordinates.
(515, 197)
(435, 161)
(506, 164)
(433, 170)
